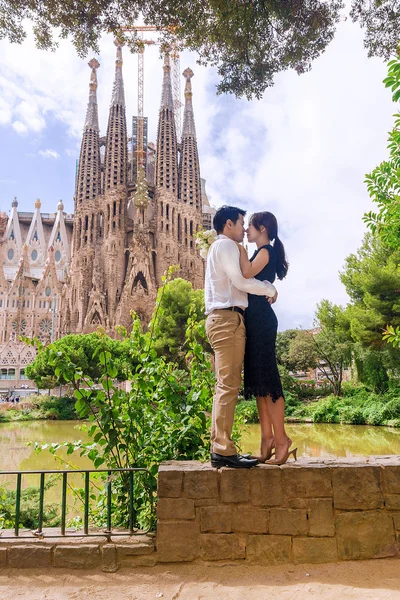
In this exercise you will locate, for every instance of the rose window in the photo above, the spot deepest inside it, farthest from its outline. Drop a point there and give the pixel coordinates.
(44, 329)
(22, 326)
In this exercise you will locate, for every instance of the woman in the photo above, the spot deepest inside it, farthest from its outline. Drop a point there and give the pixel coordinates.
(261, 376)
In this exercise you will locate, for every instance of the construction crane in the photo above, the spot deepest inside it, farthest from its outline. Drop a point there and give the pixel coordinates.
(176, 89)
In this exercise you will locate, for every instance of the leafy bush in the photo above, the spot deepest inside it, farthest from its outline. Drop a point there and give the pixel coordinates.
(29, 508)
(39, 407)
(247, 409)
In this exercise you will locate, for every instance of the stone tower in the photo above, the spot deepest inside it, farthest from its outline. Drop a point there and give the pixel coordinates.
(115, 193)
(190, 214)
(88, 221)
(166, 193)
(178, 190)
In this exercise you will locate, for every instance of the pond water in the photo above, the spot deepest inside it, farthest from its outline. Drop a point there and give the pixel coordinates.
(312, 439)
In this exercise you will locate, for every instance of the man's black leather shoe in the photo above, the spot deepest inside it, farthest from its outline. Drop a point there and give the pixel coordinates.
(236, 461)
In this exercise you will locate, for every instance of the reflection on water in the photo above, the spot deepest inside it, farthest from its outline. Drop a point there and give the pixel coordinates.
(312, 439)
(320, 439)
(16, 455)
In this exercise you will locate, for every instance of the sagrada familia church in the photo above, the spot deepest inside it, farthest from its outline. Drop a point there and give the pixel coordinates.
(70, 273)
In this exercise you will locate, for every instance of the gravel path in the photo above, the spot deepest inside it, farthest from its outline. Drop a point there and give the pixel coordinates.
(366, 580)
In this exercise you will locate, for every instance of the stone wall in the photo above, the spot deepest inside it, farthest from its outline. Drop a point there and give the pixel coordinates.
(313, 511)
(26, 552)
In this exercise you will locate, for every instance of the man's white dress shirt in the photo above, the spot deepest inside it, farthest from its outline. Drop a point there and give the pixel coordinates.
(225, 285)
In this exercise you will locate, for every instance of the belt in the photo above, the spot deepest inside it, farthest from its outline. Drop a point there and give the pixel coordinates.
(234, 309)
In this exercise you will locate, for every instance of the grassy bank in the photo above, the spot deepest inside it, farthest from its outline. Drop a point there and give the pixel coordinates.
(38, 407)
(357, 406)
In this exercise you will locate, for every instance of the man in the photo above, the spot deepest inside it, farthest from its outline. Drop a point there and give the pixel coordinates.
(226, 300)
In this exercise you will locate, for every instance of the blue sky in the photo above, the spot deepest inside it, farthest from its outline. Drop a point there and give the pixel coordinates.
(301, 151)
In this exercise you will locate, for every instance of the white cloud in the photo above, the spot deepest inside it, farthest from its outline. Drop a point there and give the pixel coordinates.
(49, 153)
(19, 127)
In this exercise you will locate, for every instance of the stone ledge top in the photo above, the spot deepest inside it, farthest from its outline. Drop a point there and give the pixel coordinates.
(304, 462)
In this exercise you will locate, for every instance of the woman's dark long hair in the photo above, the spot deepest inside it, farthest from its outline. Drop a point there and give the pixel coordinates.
(268, 220)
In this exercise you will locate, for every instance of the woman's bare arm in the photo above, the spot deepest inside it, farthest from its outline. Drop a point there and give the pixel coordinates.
(251, 269)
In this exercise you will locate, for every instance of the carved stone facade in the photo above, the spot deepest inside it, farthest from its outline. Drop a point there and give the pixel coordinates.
(63, 273)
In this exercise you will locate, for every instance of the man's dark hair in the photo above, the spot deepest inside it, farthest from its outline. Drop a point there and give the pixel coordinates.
(225, 213)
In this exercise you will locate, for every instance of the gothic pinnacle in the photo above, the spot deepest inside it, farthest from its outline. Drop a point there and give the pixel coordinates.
(92, 118)
(118, 94)
(167, 100)
(188, 128)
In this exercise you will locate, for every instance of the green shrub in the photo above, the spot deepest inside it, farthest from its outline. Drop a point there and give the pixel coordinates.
(29, 518)
(326, 411)
(248, 411)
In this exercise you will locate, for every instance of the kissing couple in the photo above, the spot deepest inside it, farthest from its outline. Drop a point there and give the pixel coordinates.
(241, 327)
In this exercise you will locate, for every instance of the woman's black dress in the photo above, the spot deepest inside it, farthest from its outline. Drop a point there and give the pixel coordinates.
(261, 376)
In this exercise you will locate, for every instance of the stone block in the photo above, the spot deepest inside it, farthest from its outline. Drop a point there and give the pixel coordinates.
(3, 557)
(77, 557)
(295, 502)
(177, 541)
(29, 556)
(392, 501)
(170, 482)
(362, 535)
(248, 519)
(320, 517)
(175, 508)
(205, 501)
(356, 487)
(266, 486)
(222, 546)
(216, 519)
(288, 521)
(109, 562)
(268, 549)
(307, 482)
(201, 484)
(390, 477)
(140, 561)
(234, 485)
(314, 550)
(140, 548)
(396, 520)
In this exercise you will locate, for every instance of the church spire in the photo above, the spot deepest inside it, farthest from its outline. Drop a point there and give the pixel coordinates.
(189, 169)
(118, 94)
(116, 142)
(92, 117)
(88, 180)
(188, 117)
(167, 151)
(167, 100)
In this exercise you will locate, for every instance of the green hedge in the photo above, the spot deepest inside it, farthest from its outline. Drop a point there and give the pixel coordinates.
(358, 406)
(39, 407)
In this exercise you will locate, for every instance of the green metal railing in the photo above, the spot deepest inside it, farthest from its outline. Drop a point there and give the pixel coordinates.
(108, 531)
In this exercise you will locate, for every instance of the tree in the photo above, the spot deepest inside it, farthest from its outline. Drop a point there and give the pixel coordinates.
(170, 317)
(384, 188)
(372, 280)
(249, 41)
(283, 340)
(302, 353)
(333, 343)
(384, 182)
(78, 352)
(381, 20)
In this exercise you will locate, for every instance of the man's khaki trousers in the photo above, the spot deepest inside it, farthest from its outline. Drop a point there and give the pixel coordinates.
(227, 335)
